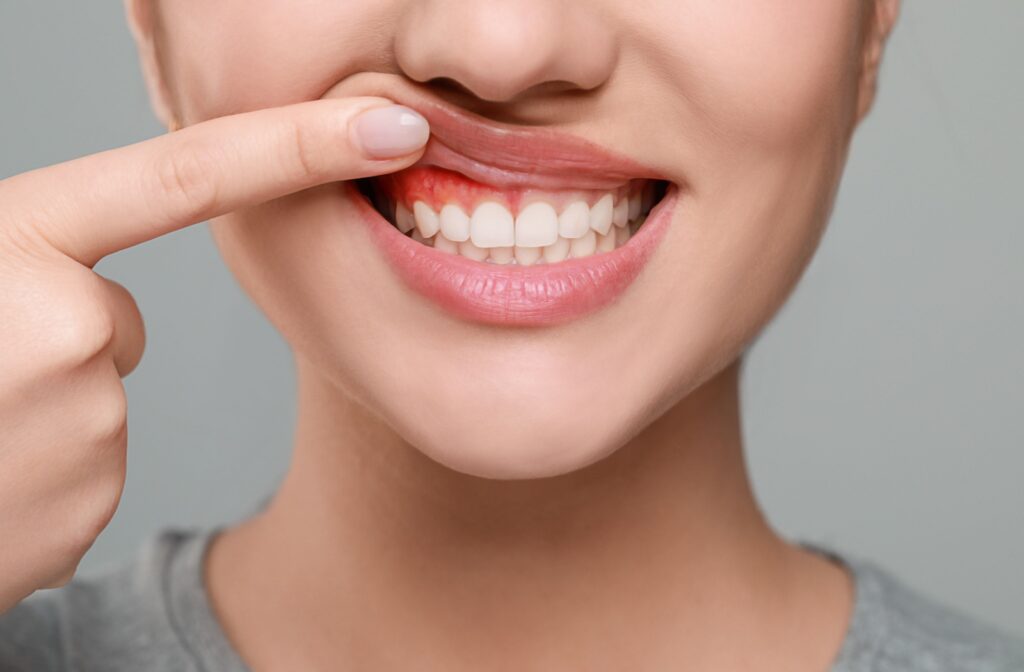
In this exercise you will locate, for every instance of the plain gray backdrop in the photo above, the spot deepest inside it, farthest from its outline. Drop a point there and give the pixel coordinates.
(884, 406)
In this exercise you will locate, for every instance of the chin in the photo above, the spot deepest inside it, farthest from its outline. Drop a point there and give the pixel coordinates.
(528, 416)
(505, 448)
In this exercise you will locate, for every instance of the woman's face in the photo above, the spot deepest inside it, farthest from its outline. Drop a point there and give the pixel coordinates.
(743, 107)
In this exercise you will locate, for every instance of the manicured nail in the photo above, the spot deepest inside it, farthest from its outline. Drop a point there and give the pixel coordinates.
(391, 132)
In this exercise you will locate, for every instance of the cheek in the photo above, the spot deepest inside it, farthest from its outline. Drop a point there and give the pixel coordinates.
(765, 72)
(266, 53)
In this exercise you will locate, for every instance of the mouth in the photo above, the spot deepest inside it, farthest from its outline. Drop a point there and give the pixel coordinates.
(449, 212)
(511, 225)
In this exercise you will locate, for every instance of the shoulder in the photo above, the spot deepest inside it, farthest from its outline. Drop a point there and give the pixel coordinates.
(896, 628)
(115, 621)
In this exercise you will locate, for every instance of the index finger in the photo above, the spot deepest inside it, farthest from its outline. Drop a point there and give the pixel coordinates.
(90, 207)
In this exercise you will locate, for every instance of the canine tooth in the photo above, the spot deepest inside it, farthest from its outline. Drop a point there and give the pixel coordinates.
(426, 219)
(527, 255)
(558, 251)
(606, 243)
(585, 246)
(404, 219)
(418, 237)
(492, 225)
(601, 214)
(454, 223)
(634, 206)
(502, 255)
(468, 249)
(445, 245)
(574, 220)
(537, 225)
(620, 216)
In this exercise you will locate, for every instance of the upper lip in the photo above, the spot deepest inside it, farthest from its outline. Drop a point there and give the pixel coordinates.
(507, 156)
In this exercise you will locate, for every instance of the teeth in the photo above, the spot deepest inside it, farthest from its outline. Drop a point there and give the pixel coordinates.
(634, 206)
(445, 245)
(575, 219)
(620, 216)
(454, 223)
(527, 255)
(468, 249)
(492, 225)
(404, 219)
(426, 219)
(538, 235)
(557, 251)
(537, 226)
(585, 246)
(502, 255)
(622, 235)
(601, 214)
(647, 198)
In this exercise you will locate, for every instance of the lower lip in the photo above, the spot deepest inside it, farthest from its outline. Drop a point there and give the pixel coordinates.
(512, 295)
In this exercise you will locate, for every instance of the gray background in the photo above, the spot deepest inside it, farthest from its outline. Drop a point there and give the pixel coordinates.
(883, 406)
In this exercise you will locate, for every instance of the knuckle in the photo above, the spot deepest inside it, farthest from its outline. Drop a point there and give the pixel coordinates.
(306, 152)
(81, 328)
(186, 178)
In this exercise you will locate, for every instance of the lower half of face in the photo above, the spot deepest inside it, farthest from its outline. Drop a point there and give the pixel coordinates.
(528, 331)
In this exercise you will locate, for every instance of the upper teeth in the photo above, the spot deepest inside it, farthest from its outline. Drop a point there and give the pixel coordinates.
(538, 232)
(538, 224)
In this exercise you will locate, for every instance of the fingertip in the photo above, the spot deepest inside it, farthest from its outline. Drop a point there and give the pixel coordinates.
(389, 132)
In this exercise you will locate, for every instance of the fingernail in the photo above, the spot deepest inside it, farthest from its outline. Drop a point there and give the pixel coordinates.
(390, 132)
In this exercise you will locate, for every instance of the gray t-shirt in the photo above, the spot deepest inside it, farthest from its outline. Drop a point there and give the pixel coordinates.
(152, 615)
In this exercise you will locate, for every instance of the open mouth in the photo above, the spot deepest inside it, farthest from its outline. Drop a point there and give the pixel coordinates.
(450, 212)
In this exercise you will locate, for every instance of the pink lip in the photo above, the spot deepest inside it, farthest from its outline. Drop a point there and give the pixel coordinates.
(507, 157)
(538, 295)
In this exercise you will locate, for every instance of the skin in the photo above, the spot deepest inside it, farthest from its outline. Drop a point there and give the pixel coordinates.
(584, 503)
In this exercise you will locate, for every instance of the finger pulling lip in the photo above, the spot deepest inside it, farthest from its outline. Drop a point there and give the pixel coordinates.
(524, 296)
(511, 156)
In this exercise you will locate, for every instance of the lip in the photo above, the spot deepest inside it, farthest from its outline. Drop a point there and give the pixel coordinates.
(512, 295)
(510, 156)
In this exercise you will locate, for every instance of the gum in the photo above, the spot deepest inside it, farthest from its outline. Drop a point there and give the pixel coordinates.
(437, 187)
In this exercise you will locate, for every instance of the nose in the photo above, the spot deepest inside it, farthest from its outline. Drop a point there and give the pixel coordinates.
(500, 49)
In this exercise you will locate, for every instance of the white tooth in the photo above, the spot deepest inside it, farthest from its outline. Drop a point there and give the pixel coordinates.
(418, 237)
(647, 198)
(404, 219)
(622, 235)
(606, 243)
(557, 251)
(601, 214)
(585, 246)
(620, 216)
(471, 251)
(445, 245)
(574, 220)
(634, 207)
(454, 223)
(502, 255)
(492, 225)
(537, 225)
(526, 256)
(426, 219)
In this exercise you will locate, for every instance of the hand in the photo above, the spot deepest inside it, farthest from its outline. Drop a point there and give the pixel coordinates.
(68, 335)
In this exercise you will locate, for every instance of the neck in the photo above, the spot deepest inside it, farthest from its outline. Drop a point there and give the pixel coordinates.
(375, 543)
